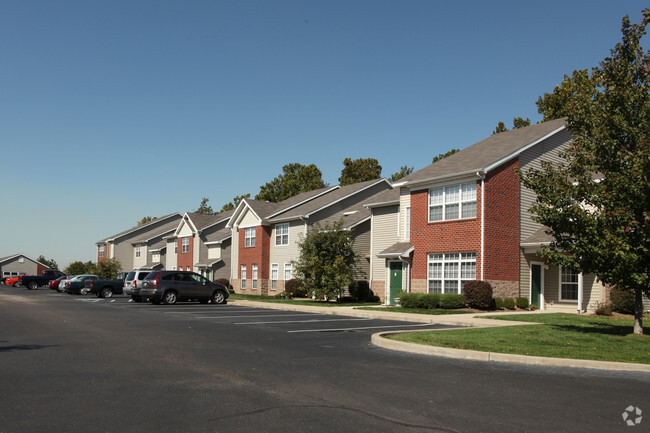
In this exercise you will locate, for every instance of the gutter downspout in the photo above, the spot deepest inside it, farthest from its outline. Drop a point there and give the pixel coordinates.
(482, 177)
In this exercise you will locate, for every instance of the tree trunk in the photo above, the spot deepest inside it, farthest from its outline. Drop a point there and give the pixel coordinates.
(638, 311)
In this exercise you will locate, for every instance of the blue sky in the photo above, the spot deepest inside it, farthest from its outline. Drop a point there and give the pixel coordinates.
(114, 110)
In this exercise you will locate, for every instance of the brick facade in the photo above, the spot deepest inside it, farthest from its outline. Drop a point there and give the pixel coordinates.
(258, 255)
(185, 260)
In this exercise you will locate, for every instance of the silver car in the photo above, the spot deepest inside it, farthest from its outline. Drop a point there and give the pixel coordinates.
(133, 283)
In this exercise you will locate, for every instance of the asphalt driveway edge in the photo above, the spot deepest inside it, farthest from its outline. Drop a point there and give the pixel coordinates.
(380, 340)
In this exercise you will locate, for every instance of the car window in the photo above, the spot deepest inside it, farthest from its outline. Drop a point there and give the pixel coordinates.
(199, 278)
(151, 275)
(169, 277)
(130, 276)
(143, 275)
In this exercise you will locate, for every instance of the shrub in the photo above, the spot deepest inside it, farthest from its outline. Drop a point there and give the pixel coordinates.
(283, 295)
(622, 300)
(478, 294)
(603, 309)
(296, 287)
(508, 303)
(498, 303)
(451, 301)
(522, 303)
(360, 290)
(420, 300)
(225, 282)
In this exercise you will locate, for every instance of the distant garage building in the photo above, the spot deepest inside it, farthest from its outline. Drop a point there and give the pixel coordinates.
(21, 263)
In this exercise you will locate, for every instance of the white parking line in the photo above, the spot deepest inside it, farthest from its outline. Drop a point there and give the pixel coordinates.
(237, 317)
(299, 321)
(366, 327)
(216, 312)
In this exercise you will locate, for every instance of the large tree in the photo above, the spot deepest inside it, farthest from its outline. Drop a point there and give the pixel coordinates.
(234, 203)
(79, 268)
(359, 170)
(49, 263)
(295, 179)
(327, 260)
(204, 207)
(107, 268)
(597, 204)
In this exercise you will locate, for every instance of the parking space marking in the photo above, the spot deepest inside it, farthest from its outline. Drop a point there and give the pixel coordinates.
(302, 321)
(262, 315)
(361, 328)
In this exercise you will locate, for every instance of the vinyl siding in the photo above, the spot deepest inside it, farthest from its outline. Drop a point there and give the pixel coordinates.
(361, 236)
(249, 219)
(28, 266)
(333, 212)
(384, 234)
(404, 201)
(170, 259)
(286, 253)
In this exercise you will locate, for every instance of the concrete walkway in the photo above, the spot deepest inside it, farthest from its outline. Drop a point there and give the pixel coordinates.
(469, 320)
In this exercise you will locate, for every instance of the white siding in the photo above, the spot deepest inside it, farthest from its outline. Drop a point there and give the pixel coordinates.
(249, 219)
(185, 230)
(234, 254)
(214, 251)
(404, 202)
(170, 259)
(384, 234)
(282, 254)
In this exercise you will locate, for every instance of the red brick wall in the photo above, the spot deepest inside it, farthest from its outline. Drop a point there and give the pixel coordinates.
(442, 236)
(40, 268)
(502, 223)
(259, 255)
(99, 259)
(186, 260)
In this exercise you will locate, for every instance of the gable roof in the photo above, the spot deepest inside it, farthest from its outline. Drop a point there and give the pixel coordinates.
(199, 222)
(139, 227)
(386, 198)
(486, 154)
(13, 256)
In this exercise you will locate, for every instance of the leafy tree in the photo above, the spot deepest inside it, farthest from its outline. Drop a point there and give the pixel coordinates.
(295, 179)
(444, 155)
(49, 263)
(359, 170)
(145, 220)
(204, 207)
(327, 261)
(517, 122)
(404, 171)
(597, 204)
(234, 203)
(107, 268)
(77, 268)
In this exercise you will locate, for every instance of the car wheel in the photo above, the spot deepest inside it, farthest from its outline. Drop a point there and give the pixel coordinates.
(32, 286)
(83, 291)
(170, 297)
(106, 293)
(218, 297)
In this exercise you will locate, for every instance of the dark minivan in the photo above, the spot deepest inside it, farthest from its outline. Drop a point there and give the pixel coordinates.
(169, 287)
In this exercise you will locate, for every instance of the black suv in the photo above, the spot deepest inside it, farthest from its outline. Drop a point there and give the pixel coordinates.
(171, 286)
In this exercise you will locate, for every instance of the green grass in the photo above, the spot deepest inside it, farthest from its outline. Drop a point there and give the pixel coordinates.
(298, 301)
(559, 336)
(435, 312)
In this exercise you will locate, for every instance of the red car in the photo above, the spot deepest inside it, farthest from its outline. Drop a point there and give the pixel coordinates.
(14, 281)
(54, 284)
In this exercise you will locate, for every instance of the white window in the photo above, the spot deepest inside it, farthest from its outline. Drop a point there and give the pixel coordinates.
(155, 257)
(138, 251)
(254, 277)
(448, 272)
(101, 251)
(282, 234)
(407, 223)
(180, 268)
(568, 284)
(288, 271)
(243, 276)
(452, 202)
(249, 237)
(176, 246)
(274, 275)
(185, 246)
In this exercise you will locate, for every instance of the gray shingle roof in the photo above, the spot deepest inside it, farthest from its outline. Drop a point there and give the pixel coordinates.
(219, 235)
(141, 227)
(202, 221)
(396, 250)
(385, 198)
(481, 155)
(158, 231)
(539, 237)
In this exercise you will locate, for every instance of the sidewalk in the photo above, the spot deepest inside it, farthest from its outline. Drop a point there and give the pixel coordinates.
(470, 320)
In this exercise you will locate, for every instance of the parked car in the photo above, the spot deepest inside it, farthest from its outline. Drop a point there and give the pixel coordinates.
(9, 274)
(172, 286)
(64, 282)
(105, 288)
(33, 282)
(54, 284)
(76, 285)
(133, 283)
(15, 280)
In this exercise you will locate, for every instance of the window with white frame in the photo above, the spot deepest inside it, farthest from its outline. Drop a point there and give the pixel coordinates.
(448, 272)
(176, 246)
(249, 237)
(288, 271)
(243, 276)
(254, 277)
(275, 268)
(138, 251)
(568, 284)
(101, 250)
(155, 257)
(282, 234)
(407, 223)
(185, 246)
(452, 202)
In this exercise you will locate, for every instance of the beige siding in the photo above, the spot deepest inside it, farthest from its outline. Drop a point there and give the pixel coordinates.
(171, 258)
(184, 230)
(404, 202)
(234, 255)
(222, 270)
(124, 254)
(282, 254)
(140, 262)
(361, 236)
(17, 265)
(249, 219)
(384, 234)
(548, 150)
(331, 212)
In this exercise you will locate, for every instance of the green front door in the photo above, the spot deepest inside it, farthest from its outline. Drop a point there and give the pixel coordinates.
(535, 284)
(395, 281)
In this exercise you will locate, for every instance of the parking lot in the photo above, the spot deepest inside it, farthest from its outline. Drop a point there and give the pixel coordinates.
(291, 322)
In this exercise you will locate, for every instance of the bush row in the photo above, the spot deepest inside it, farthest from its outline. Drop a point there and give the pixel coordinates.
(432, 300)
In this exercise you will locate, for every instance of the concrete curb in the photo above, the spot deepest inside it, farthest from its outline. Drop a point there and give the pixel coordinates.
(457, 320)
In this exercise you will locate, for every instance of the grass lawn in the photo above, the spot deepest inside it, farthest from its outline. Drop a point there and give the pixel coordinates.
(434, 312)
(559, 336)
(298, 301)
